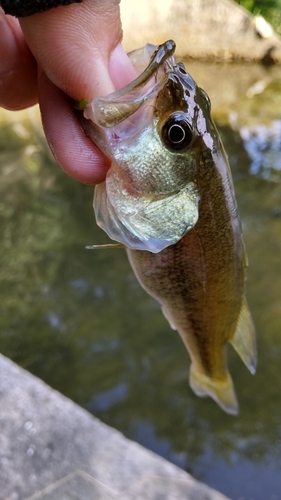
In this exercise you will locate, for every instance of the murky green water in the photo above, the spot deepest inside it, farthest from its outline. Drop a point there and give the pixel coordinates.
(79, 320)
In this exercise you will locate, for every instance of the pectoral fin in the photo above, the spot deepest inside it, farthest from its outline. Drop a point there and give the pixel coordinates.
(222, 391)
(244, 339)
(105, 246)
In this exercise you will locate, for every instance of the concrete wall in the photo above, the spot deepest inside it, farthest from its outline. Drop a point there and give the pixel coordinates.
(51, 449)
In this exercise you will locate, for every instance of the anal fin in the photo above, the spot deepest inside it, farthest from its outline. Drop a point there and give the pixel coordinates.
(244, 339)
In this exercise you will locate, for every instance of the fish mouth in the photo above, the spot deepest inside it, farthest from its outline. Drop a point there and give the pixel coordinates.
(125, 112)
(119, 105)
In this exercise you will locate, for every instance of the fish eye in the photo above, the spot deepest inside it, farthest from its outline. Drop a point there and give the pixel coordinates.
(177, 132)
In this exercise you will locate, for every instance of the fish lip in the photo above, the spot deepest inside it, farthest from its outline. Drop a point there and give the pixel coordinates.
(116, 107)
(101, 110)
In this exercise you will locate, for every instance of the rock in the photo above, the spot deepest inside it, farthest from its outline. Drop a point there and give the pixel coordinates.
(263, 28)
(202, 29)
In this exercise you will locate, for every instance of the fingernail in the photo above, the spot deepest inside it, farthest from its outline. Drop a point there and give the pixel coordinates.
(120, 68)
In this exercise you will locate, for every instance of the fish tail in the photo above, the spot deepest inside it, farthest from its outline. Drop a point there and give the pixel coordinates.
(222, 391)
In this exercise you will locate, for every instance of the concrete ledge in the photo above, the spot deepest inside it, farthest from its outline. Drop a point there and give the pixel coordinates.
(50, 448)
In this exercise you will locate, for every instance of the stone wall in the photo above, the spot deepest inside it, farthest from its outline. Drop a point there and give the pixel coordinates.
(202, 29)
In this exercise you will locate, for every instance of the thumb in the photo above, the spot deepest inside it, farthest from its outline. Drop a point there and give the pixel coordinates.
(73, 45)
(78, 49)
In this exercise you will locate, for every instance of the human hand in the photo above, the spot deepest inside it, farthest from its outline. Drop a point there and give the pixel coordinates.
(67, 52)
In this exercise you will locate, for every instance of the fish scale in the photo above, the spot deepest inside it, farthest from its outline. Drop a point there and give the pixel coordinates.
(169, 199)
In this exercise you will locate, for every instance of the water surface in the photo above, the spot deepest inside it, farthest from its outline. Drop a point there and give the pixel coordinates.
(79, 320)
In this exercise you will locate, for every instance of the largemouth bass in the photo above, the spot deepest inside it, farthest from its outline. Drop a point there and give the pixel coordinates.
(169, 199)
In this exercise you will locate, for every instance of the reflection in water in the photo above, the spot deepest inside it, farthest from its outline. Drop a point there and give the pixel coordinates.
(263, 145)
(108, 399)
(79, 320)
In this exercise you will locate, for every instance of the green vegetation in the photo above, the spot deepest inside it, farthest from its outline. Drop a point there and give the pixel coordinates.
(269, 9)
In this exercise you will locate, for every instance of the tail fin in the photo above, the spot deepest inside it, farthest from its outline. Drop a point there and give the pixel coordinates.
(221, 391)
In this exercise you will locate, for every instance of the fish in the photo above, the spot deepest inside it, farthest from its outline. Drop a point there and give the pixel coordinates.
(169, 199)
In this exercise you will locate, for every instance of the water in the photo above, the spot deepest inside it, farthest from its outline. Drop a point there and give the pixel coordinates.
(79, 320)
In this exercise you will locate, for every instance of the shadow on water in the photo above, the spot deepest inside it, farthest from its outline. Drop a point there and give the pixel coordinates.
(79, 320)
